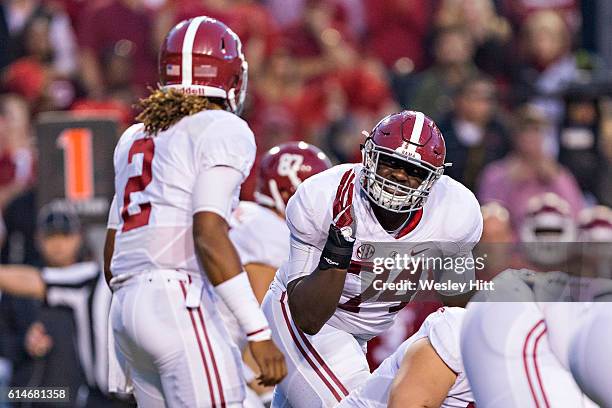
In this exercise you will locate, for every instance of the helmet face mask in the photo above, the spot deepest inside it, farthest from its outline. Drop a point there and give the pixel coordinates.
(236, 102)
(424, 165)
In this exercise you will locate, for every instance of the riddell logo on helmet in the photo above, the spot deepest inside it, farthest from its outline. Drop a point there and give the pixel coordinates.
(192, 91)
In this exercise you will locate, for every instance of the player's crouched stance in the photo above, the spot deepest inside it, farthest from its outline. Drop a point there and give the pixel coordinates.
(425, 371)
(177, 177)
(320, 311)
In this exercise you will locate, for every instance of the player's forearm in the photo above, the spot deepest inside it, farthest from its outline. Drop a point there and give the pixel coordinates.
(314, 298)
(404, 402)
(224, 270)
(214, 248)
(423, 379)
(260, 277)
(405, 396)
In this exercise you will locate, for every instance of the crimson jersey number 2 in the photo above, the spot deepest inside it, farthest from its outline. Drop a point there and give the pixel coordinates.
(146, 147)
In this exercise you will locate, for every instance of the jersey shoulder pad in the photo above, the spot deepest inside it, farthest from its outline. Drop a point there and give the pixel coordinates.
(443, 329)
(449, 198)
(127, 137)
(309, 211)
(220, 138)
(260, 236)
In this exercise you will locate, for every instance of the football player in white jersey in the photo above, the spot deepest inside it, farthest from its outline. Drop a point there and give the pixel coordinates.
(259, 232)
(177, 179)
(322, 305)
(516, 348)
(425, 371)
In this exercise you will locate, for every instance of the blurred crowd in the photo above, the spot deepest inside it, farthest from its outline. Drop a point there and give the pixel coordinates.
(523, 101)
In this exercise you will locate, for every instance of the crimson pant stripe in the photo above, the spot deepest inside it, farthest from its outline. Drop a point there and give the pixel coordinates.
(222, 396)
(526, 365)
(304, 353)
(190, 312)
(318, 357)
(537, 369)
(212, 355)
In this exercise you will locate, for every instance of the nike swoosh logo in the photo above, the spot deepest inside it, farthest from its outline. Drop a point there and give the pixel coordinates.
(413, 253)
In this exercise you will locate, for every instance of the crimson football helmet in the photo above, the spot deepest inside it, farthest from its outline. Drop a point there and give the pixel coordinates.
(595, 232)
(283, 168)
(595, 224)
(547, 230)
(409, 137)
(203, 56)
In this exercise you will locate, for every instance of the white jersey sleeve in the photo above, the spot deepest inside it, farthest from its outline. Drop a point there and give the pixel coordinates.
(458, 233)
(304, 217)
(309, 211)
(458, 212)
(224, 182)
(113, 215)
(442, 328)
(228, 141)
(259, 235)
(309, 215)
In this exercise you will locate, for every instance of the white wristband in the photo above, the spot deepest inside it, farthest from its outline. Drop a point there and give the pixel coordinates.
(240, 300)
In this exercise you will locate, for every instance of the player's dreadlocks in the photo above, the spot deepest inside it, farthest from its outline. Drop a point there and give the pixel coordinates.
(164, 107)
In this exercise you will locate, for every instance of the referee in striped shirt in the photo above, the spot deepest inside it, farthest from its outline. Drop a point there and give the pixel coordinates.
(68, 281)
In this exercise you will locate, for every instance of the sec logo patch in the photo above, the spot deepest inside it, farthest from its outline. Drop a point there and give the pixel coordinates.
(365, 251)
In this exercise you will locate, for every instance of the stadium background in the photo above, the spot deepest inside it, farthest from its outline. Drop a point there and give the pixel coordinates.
(322, 71)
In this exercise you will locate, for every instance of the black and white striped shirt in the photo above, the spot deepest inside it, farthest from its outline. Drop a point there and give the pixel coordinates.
(81, 287)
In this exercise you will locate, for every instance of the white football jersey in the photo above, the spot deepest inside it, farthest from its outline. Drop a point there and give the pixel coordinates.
(442, 329)
(259, 235)
(450, 215)
(154, 179)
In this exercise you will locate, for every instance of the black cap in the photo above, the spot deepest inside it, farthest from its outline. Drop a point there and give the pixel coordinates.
(58, 217)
